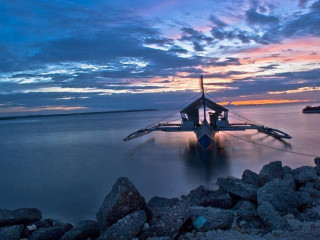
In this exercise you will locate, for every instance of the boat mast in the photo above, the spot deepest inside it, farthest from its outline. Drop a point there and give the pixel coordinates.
(203, 99)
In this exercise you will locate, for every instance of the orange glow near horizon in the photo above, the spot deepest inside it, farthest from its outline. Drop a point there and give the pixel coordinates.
(262, 102)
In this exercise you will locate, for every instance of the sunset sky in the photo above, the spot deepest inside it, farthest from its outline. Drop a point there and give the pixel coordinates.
(88, 55)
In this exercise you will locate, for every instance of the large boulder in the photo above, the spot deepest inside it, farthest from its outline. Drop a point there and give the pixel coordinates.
(238, 188)
(19, 216)
(169, 222)
(51, 233)
(126, 228)
(271, 171)
(280, 194)
(304, 174)
(11, 232)
(216, 218)
(83, 230)
(252, 178)
(271, 217)
(123, 199)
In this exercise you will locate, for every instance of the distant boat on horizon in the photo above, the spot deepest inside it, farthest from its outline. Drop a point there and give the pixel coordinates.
(309, 109)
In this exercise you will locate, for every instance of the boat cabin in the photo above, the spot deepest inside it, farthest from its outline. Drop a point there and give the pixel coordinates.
(218, 117)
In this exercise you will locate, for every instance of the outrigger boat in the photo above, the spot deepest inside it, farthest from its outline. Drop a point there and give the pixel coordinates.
(206, 130)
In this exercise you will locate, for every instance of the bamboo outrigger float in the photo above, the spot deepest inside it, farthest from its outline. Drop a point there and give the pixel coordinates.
(206, 130)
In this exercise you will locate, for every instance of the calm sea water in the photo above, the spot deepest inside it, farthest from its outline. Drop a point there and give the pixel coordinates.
(66, 165)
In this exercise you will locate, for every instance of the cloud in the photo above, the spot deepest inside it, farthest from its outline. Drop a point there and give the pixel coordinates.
(254, 17)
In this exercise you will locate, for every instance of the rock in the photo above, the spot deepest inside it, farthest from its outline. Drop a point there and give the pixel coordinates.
(316, 183)
(303, 199)
(50, 233)
(280, 194)
(159, 238)
(317, 161)
(216, 218)
(238, 188)
(32, 228)
(304, 174)
(218, 199)
(252, 178)
(159, 206)
(169, 222)
(309, 215)
(198, 196)
(11, 232)
(123, 199)
(271, 171)
(19, 216)
(83, 230)
(44, 223)
(309, 188)
(271, 217)
(248, 217)
(126, 228)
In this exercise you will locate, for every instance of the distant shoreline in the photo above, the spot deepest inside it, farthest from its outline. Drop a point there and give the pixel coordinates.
(73, 114)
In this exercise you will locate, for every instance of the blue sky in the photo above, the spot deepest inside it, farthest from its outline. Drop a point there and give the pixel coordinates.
(60, 56)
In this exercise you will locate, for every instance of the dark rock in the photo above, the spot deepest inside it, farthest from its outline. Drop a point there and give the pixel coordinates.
(19, 216)
(123, 199)
(218, 199)
(247, 211)
(238, 188)
(51, 233)
(309, 215)
(280, 194)
(303, 199)
(126, 228)
(309, 188)
(198, 196)
(11, 232)
(271, 217)
(304, 174)
(316, 183)
(216, 218)
(83, 230)
(170, 222)
(252, 178)
(317, 161)
(44, 223)
(156, 202)
(271, 171)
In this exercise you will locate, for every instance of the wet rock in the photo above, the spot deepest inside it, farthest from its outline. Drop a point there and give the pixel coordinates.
(83, 230)
(271, 217)
(252, 178)
(126, 228)
(51, 233)
(309, 215)
(19, 216)
(271, 171)
(280, 194)
(238, 188)
(216, 218)
(123, 199)
(11, 232)
(304, 174)
(170, 222)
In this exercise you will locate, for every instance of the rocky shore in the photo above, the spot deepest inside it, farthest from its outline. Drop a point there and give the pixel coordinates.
(278, 203)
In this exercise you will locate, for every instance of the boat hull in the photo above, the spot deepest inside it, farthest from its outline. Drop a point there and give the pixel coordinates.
(205, 135)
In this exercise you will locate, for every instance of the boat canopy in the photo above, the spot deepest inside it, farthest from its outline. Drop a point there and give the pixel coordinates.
(192, 110)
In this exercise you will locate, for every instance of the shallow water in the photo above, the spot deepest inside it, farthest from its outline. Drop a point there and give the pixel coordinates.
(66, 165)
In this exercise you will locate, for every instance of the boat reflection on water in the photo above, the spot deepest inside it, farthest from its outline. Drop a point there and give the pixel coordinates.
(208, 164)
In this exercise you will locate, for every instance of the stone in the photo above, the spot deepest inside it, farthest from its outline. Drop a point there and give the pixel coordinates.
(123, 199)
(252, 178)
(19, 216)
(127, 227)
(271, 171)
(169, 222)
(83, 230)
(317, 161)
(44, 223)
(309, 215)
(218, 199)
(271, 217)
(156, 202)
(316, 183)
(197, 196)
(13, 232)
(248, 217)
(304, 174)
(303, 199)
(280, 194)
(309, 188)
(238, 188)
(216, 218)
(50, 233)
